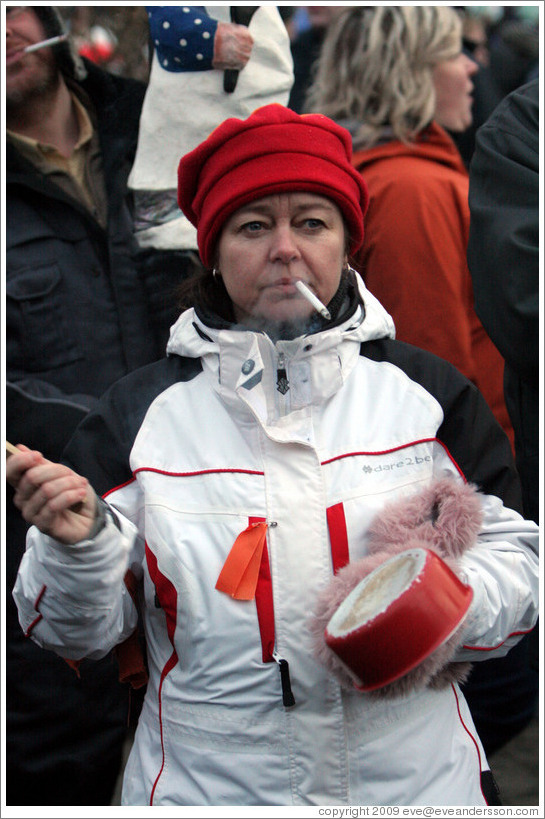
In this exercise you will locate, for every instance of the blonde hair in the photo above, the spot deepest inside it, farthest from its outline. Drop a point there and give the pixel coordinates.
(376, 67)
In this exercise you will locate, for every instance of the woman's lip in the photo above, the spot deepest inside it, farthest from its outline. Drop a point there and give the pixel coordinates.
(283, 284)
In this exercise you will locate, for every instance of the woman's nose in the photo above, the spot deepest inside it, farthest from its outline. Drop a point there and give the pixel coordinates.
(283, 245)
(471, 66)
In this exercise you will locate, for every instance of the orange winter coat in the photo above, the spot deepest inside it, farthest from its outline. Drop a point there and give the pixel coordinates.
(414, 255)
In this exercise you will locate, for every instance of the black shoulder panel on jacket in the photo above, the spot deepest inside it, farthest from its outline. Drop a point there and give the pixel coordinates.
(101, 445)
(469, 430)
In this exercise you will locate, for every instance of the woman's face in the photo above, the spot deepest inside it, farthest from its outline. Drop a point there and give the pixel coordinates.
(268, 245)
(453, 87)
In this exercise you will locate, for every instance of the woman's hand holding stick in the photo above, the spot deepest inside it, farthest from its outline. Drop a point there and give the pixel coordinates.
(57, 500)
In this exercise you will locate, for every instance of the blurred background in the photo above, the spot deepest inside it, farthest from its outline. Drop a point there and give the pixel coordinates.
(116, 37)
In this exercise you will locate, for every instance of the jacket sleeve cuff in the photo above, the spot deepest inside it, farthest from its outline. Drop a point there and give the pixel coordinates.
(72, 598)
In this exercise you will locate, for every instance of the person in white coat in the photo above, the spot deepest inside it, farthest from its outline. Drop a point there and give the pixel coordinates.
(209, 63)
(231, 486)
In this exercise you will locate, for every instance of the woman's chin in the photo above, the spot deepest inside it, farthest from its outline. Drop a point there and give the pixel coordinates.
(286, 324)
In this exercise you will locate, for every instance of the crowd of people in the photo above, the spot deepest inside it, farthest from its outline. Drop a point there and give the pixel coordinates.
(202, 449)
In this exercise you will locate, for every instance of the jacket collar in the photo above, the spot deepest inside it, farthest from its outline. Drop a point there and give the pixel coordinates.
(245, 366)
(433, 143)
(195, 334)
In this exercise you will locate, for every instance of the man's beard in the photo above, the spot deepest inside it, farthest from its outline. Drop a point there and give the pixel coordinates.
(37, 84)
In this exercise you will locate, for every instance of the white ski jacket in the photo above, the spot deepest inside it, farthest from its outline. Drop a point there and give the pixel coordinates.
(191, 450)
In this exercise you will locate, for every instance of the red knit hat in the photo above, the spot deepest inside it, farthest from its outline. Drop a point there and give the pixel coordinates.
(275, 150)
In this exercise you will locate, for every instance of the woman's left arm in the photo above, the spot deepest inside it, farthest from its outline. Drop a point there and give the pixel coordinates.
(503, 571)
(502, 567)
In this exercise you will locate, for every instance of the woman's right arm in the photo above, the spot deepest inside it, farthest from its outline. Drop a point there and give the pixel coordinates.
(51, 496)
(70, 589)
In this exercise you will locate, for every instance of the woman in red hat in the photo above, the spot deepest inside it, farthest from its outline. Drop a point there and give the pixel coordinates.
(237, 480)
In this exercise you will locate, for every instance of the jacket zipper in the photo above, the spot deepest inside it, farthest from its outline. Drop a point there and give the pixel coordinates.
(282, 383)
(288, 700)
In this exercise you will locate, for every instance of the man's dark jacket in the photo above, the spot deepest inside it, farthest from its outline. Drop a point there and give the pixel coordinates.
(78, 317)
(77, 311)
(503, 257)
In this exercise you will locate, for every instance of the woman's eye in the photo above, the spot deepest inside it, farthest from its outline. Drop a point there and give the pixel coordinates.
(252, 227)
(312, 223)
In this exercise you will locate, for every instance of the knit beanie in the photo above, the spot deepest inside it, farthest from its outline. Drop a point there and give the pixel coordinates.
(68, 60)
(273, 151)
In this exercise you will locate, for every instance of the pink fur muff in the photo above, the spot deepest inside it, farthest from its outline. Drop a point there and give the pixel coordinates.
(445, 518)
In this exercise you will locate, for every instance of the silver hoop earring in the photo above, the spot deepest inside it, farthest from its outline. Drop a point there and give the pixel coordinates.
(215, 273)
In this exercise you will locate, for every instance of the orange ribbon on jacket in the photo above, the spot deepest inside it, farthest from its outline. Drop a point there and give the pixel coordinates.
(240, 572)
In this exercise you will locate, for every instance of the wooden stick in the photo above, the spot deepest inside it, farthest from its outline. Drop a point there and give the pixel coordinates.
(10, 449)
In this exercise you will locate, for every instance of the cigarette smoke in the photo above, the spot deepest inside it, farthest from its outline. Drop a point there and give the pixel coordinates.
(283, 330)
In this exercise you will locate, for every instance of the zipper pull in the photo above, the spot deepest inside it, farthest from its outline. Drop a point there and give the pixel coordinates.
(282, 383)
(288, 700)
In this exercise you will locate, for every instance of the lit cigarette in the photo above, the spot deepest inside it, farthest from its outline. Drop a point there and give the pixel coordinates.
(314, 300)
(46, 43)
